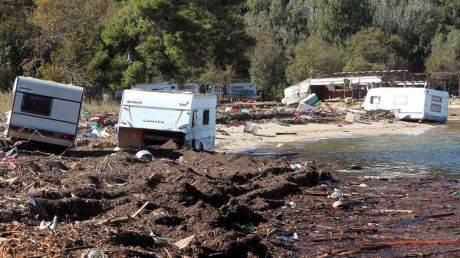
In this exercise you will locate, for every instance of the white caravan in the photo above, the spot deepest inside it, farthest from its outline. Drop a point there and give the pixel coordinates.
(243, 90)
(410, 103)
(162, 86)
(44, 111)
(155, 117)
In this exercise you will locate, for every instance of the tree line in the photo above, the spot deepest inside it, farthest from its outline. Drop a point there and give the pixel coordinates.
(105, 45)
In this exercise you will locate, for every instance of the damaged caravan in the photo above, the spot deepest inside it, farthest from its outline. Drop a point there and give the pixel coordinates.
(148, 118)
(410, 103)
(44, 111)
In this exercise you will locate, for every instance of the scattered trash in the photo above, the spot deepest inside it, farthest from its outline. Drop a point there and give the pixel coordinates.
(245, 111)
(305, 107)
(337, 204)
(280, 110)
(455, 193)
(297, 165)
(144, 154)
(291, 204)
(52, 225)
(336, 194)
(294, 236)
(181, 244)
(279, 145)
(95, 253)
(363, 185)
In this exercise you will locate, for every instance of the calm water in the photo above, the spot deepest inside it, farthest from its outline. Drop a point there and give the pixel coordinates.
(412, 154)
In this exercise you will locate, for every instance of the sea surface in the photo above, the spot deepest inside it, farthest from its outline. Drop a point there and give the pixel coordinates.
(420, 153)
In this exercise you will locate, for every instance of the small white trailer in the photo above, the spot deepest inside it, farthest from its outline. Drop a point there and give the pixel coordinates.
(410, 103)
(44, 111)
(148, 117)
(244, 90)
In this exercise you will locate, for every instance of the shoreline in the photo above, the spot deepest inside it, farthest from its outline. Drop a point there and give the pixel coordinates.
(237, 140)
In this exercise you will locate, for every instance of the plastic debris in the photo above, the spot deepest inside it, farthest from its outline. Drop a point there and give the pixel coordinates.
(297, 165)
(181, 244)
(363, 185)
(52, 225)
(245, 110)
(95, 253)
(279, 145)
(336, 194)
(337, 204)
(291, 204)
(294, 236)
(455, 193)
(144, 154)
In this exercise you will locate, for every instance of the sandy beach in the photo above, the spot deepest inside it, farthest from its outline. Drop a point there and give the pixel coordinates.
(238, 140)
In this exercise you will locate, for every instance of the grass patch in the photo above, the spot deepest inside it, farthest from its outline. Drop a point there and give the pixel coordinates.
(99, 106)
(5, 101)
(93, 106)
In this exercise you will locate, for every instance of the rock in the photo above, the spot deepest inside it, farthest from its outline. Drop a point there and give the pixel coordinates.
(181, 244)
(352, 118)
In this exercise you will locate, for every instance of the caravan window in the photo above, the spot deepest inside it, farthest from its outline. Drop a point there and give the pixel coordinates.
(435, 107)
(206, 117)
(400, 100)
(375, 100)
(34, 104)
(436, 99)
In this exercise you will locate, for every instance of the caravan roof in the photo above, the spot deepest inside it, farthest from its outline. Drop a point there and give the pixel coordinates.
(48, 88)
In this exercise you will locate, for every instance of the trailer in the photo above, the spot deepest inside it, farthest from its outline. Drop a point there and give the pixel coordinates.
(44, 111)
(410, 103)
(148, 118)
(235, 90)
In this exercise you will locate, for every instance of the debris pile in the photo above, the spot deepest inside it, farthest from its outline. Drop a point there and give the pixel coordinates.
(183, 202)
(97, 131)
(376, 115)
(239, 118)
(197, 204)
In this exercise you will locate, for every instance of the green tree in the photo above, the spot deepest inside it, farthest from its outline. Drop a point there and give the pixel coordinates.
(14, 31)
(66, 38)
(339, 19)
(445, 55)
(372, 49)
(161, 40)
(268, 68)
(312, 58)
(415, 20)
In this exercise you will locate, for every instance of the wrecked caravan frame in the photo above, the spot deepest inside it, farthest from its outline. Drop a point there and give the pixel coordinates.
(44, 111)
(148, 117)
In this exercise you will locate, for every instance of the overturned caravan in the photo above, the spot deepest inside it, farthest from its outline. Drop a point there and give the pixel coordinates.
(149, 118)
(44, 111)
(418, 104)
